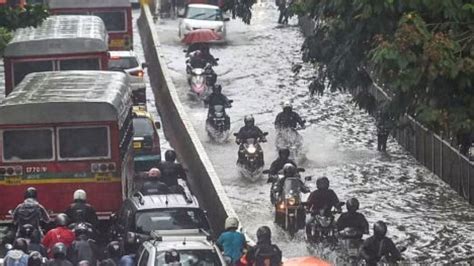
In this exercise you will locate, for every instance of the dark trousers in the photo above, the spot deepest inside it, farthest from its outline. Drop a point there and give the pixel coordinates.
(382, 141)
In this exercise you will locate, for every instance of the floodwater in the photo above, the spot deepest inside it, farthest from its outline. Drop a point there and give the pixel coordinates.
(422, 212)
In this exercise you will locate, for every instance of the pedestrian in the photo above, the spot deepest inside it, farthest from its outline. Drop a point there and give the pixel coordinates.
(281, 4)
(385, 124)
(231, 241)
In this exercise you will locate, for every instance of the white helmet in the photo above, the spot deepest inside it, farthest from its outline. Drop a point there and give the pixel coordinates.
(80, 195)
(231, 222)
(287, 104)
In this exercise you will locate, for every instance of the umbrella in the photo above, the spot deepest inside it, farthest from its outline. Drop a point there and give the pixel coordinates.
(303, 261)
(201, 35)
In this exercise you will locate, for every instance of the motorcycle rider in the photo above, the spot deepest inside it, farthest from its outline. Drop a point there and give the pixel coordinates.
(30, 211)
(80, 211)
(154, 184)
(250, 130)
(321, 201)
(59, 252)
(33, 238)
(279, 163)
(264, 252)
(114, 254)
(35, 259)
(217, 98)
(353, 219)
(378, 246)
(200, 59)
(231, 241)
(83, 248)
(288, 118)
(289, 170)
(170, 170)
(59, 234)
(18, 255)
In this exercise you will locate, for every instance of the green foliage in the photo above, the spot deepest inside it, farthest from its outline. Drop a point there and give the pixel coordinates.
(240, 8)
(420, 50)
(5, 37)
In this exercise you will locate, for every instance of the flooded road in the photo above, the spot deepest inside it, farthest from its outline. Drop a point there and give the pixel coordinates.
(423, 213)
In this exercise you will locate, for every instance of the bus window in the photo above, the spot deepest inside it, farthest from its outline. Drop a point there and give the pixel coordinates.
(83, 142)
(79, 64)
(115, 21)
(21, 145)
(21, 69)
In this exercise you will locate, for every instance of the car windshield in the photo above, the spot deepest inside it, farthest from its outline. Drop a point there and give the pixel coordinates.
(193, 257)
(121, 63)
(170, 219)
(143, 127)
(204, 13)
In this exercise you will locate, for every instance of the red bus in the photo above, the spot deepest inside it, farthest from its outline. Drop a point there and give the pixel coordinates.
(59, 43)
(67, 130)
(117, 16)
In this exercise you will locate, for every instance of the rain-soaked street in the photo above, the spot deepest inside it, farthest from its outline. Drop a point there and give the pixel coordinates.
(423, 213)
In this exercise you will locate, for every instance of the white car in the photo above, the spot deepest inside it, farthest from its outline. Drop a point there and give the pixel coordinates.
(127, 61)
(202, 16)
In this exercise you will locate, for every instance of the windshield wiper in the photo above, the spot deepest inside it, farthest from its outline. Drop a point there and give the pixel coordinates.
(198, 15)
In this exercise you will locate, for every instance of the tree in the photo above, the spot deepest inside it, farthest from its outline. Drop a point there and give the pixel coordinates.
(14, 18)
(240, 8)
(421, 51)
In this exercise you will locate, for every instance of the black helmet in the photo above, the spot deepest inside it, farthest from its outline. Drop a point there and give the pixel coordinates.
(289, 170)
(59, 250)
(217, 88)
(172, 255)
(21, 244)
(114, 250)
(284, 153)
(322, 183)
(27, 230)
(380, 229)
(62, 219)
(81, 229)
(264, 233)
(35, 259)
(170, 156)
(352, 205)
(249, 120)
(31, 193)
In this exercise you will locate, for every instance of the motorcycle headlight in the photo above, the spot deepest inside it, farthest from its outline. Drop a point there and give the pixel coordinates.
(252, 149)
(291, 200)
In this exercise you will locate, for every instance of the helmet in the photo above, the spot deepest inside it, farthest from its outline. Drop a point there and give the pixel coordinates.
(380, 229)
(264, 233)
(154, 173)
(249, 120)
(289, 170)
(21, 244)
(27, 230)
(231, 223)
(287, 106)
(284, 153)
(322, 183)
(35, 259)
(31, 193)
(61, 219)
(217, 88)
(170, 156)
(352, 205)
(59, 250)
(172, 255)
(80, 195)
(114, 250)
(81, 229)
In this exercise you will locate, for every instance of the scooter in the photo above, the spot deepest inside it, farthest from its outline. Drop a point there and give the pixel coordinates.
(198, 81)
(252, 165)
(290, 139)
(218, 123)
(322, 229)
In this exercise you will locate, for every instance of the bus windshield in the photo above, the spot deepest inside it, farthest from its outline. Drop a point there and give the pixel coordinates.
(22, 145)
(83, 142)
(114, 21)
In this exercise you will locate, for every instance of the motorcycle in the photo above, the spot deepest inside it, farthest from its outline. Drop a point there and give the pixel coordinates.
(252, 166)
(290, 139)
(350, 243)
(218, 124)
(322, 228)
(289, 208)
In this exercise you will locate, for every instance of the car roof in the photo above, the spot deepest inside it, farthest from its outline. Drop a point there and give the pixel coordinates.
(204, 6)
(183, 239)
(139, 111)
(122, 54)
(64, 4)
(165, 201)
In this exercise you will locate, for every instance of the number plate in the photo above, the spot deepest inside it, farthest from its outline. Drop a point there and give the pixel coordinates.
(137, 145)
(117, 43)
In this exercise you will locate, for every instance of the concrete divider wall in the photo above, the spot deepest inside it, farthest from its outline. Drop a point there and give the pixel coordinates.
(179, 131)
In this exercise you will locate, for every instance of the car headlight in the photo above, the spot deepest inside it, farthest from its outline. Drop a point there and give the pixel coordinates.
(291, 200)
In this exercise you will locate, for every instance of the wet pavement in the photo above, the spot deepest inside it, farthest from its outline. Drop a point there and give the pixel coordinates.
(423, 213)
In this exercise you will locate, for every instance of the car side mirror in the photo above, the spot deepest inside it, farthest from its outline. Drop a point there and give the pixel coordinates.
(236, 134)
(157, 125)
(185, 50)
(266, 172)
(180, 15)
(301, 170)
(226, 19)
(308, 178)
(265, 133)
(144, 65)
(217, 59)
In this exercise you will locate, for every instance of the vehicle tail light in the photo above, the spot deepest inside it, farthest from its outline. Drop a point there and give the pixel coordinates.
(11, 170)
(138, 73)
(103, 167)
